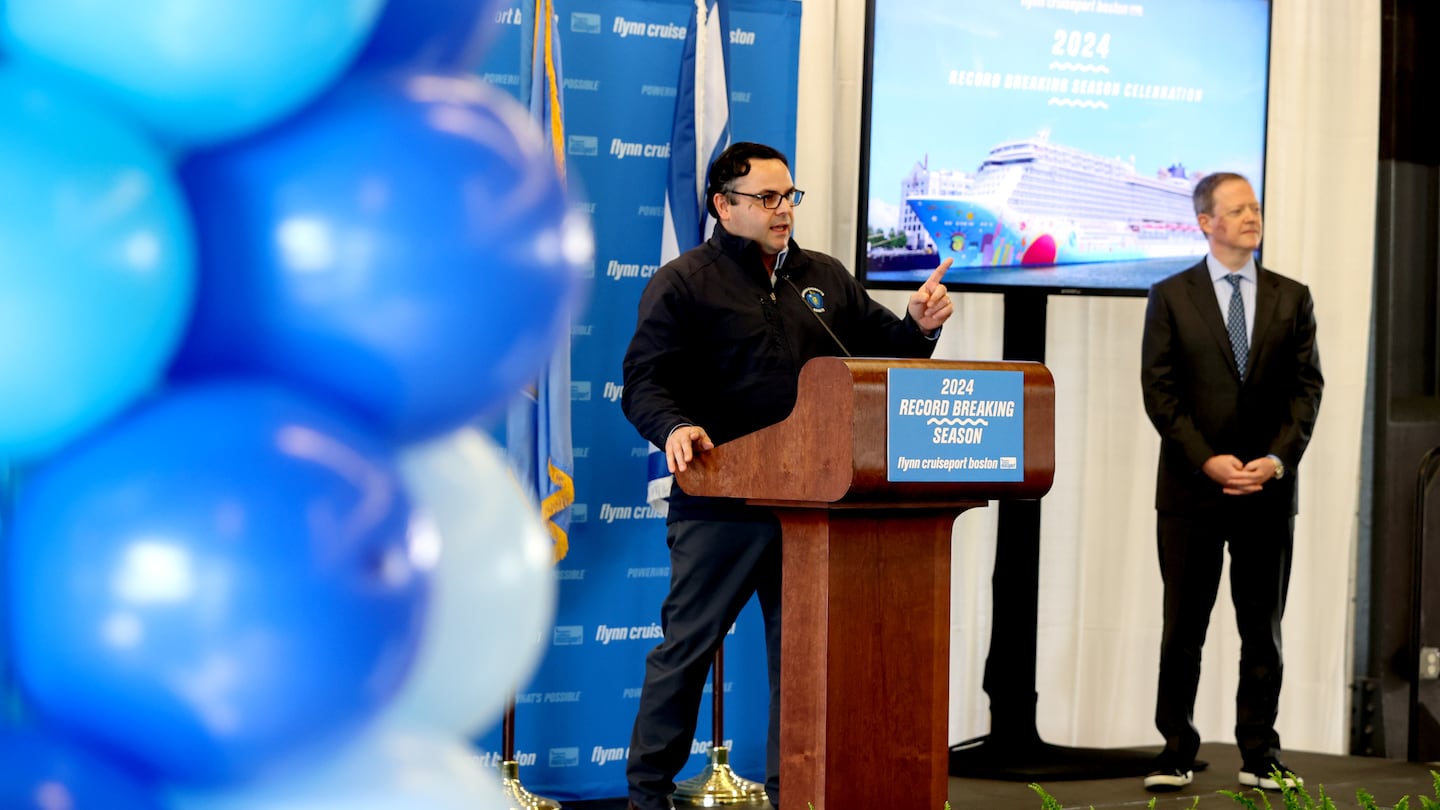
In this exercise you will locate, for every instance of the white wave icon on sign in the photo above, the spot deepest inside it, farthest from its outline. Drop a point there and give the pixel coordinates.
(955, 421)
(1079, 66)
(1071, 102)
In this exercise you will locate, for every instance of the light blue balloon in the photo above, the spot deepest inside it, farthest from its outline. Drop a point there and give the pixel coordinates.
(493, 596)
(387, 770)
(96, 265)
(195, 72)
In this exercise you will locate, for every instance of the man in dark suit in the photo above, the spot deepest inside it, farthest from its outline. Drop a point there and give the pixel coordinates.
(1231, 379)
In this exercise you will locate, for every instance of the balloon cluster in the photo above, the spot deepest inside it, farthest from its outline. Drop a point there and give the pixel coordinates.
(262, 263)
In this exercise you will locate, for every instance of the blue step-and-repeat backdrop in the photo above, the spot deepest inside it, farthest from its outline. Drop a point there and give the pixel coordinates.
(621, 61)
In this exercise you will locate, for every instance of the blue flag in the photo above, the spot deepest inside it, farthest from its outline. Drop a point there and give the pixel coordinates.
(700, 133)
(537, 427)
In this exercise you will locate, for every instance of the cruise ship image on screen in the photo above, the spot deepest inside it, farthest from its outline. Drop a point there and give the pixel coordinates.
(1034, 202)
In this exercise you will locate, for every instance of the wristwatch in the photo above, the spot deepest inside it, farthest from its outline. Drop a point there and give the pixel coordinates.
(1279, 466)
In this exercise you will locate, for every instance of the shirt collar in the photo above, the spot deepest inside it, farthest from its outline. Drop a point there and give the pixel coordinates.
(1219, 271)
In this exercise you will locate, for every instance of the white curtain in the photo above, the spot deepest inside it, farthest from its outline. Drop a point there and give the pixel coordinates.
(1099, 611)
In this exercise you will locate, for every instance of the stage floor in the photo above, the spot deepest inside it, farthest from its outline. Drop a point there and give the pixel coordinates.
(1341, 776)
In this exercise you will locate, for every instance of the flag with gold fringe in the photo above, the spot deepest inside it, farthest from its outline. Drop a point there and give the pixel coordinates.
(538, 439)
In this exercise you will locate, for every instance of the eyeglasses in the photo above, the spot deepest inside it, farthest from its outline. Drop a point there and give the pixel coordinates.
(771, 199)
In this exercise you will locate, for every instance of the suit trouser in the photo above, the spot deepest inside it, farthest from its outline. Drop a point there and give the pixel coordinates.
(715, 566)
(1190, 548)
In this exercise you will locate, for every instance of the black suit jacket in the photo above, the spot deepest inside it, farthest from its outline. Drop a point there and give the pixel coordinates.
(1194, 396)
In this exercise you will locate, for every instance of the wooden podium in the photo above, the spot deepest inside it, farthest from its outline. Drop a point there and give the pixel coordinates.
(865, 655)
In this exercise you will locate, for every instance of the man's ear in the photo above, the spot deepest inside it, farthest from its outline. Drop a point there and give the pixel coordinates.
(1206, 223)
(722, 205)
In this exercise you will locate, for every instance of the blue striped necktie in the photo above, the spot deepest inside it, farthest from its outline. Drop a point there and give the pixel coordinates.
(1235, 325)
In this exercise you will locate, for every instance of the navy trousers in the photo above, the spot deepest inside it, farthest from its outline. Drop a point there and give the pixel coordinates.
(715, 567)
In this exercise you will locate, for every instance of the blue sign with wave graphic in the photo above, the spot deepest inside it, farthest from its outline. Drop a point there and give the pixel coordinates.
(955, 425)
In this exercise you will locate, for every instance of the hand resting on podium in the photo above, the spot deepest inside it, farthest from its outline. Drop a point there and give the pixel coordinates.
(681, 446)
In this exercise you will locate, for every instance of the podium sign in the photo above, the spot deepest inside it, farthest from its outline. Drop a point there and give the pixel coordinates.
(955, 425)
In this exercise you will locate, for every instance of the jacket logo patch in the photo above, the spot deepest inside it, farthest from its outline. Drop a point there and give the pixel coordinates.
(815, 298)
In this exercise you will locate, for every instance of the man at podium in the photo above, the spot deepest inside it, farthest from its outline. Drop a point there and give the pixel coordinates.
(721, 334)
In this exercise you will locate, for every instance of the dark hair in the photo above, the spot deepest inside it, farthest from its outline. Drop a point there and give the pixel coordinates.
(1204, 194)
(732, 164)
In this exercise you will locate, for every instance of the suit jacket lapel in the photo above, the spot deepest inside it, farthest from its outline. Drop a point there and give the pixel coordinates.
(1267, 297)
(1207, 307)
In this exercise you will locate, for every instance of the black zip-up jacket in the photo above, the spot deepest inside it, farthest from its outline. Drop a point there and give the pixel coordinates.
(716, 345)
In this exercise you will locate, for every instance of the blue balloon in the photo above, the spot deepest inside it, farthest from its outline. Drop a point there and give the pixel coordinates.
(97, 272)
(43, 772)
(404, 247)
(219, 584)
(436, 35)
(195, 71)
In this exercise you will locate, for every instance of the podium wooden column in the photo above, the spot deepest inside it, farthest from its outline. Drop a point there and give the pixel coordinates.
(865, 647)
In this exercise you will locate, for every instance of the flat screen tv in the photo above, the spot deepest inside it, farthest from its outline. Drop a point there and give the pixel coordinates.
(1052, 145)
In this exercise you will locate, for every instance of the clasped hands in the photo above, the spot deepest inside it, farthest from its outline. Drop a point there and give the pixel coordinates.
(1236, 477)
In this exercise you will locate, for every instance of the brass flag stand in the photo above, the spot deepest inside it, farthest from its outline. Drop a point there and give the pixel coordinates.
(516, 795)
(717, 784)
